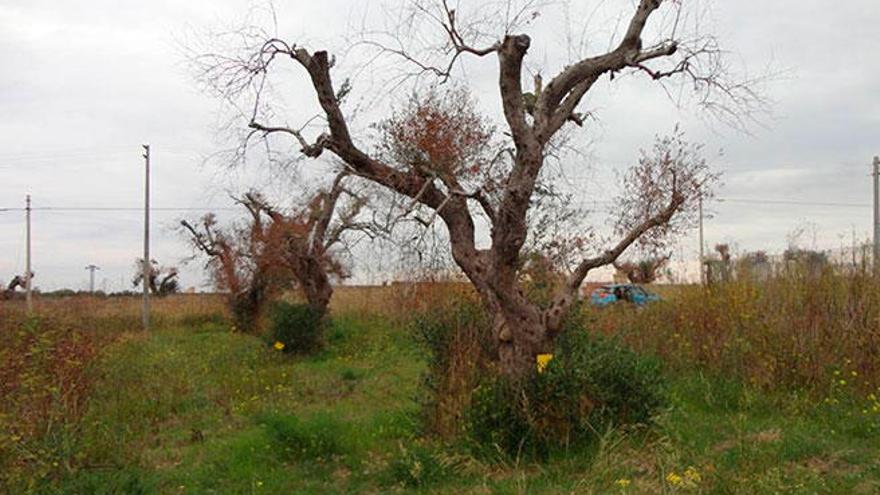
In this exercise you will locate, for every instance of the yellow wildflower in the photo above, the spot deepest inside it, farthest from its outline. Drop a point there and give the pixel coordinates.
(843, 382)
(854, 373)
(674, 479)
(622, 482)
(279, 345)
(692, 474)
(543, 360)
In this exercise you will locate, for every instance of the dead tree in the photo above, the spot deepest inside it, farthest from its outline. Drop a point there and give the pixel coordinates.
(274, 251)
(16, 282)
(659, 196)
(643, 271)
(163, 280)
(319, 228)
(244, 262)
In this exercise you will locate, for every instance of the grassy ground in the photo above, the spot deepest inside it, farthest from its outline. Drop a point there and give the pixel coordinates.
(194, 408)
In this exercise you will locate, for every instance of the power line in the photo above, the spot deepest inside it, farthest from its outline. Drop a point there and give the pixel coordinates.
(122, 208)
(791, 202)
(77, 152)
(115, 208)
(595, 202)
(757, 201)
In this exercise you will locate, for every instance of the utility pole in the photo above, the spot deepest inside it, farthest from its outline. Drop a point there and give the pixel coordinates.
(91, 269)
(702, 255)
(876, 251)
(147, 266)
(28, 275)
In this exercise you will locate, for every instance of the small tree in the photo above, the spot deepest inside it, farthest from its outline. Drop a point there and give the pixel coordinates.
(643, 271)
(273, 251)
(237, 261)
(163, 280)
(16, 282)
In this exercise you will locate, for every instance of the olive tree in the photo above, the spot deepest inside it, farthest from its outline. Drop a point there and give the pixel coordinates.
(659, 194)
(275, 250)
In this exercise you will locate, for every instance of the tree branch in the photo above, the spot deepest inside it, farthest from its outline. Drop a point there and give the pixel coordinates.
(510, 58)
(310, 150)
(568, 87)
(611, 255)
(203, 242)
(454, 42)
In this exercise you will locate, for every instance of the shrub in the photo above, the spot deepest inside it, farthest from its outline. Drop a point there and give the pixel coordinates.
(46, 379)
(297, 326)
(590, 384)
(318, 437)
(247, 311)
(454, 333)
(626, 387)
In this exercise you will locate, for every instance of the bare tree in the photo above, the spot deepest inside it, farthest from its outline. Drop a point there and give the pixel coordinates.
(643, 271)
(660, 192)
(274, 251)
(163, 280)
(244, 261)
(321, 226)
(16, 282)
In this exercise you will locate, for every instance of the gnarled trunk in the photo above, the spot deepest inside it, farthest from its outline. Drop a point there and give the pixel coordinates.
(521, 330)
(316, 285)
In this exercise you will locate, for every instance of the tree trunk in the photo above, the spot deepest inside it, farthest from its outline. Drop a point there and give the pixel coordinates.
(316, 285)
(520, 333)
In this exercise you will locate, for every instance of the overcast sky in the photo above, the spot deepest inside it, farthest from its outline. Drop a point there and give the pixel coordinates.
(84, 83)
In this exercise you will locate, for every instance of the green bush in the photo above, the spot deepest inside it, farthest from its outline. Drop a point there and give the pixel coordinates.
(319, 437)
(297, 326)
(591, 384)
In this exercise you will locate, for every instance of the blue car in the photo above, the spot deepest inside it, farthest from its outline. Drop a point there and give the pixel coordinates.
(612, 293)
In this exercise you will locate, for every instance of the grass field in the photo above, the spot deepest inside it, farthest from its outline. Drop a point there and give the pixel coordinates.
(195, 408)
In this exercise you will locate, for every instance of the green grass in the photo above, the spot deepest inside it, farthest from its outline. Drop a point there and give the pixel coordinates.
(196, 409)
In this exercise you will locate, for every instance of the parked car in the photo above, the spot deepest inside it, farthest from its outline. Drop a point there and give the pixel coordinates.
(612, 293)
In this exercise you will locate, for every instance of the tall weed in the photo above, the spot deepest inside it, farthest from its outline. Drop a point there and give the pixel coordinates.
(791, 330)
